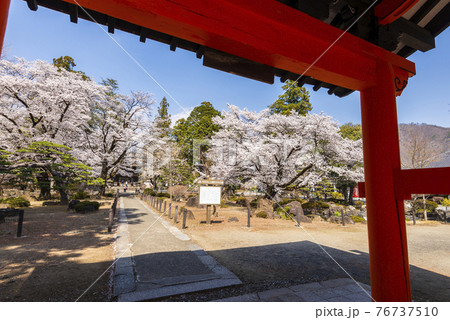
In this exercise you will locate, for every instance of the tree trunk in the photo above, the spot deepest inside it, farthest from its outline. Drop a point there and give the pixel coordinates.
(64, 196)
(104, 176)
(62, 189)
(424, 208)
(345, 194)
(43, 182)
(414, 209)
(271, 193)
(350, 195)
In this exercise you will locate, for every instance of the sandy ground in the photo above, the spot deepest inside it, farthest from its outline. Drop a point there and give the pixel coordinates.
(276, 253)
(58, 258)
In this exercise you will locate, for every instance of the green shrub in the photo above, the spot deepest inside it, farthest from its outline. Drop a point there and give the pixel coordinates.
(337, 195)
(284, 217)
(81, 195)
(18, 202)
(418, 205)
(163, 195)
(262, 214)
(284, 201)
(358, 204)
(242, 201)
(110, 194)
(357, 219)
(149, 192)
(223, 204)
(87, 206)
(254, 203)
(315, 205)
(337, 214)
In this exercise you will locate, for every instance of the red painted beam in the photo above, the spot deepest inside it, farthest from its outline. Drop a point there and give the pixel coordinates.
(4, 9)
(422, 181)
(388, 11)
(417, 181)
(264, 31)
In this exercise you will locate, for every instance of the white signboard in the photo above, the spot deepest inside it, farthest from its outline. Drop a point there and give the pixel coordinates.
(210, 195)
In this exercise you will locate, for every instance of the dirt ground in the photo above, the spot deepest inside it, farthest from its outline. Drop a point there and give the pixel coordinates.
(60, 254)
(277, 253)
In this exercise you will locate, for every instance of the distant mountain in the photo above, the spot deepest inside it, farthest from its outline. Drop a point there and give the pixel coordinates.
(435, 138)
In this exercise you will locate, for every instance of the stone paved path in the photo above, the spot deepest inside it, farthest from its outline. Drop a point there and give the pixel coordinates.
(336, 290)
(156, 260)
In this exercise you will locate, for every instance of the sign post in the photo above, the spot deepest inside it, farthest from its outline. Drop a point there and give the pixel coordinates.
(210, 193)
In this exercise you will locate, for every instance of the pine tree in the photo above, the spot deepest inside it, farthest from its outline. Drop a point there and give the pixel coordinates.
(162, 120)
(294, 98)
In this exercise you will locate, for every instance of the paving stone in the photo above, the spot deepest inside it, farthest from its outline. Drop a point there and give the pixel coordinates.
(339, 299)
(272, 293)
(337, 282)
(309, 296)
(366, 286)
(272, 299)
(164, 262)
(354, 288)
(123, 283)
(327, 293)
(357, 297)
(251, 297)
(306, 287)
(290, 297)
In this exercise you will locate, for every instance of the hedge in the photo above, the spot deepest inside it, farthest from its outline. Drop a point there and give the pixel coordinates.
(18, 202)
(85, 206)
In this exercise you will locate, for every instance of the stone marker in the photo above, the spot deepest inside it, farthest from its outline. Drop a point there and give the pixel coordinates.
(297, 207)
(265, 205)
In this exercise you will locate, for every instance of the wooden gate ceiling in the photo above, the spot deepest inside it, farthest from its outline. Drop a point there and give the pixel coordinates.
(397, 26)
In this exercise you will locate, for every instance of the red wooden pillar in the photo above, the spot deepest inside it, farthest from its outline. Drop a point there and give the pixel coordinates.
(4, 9)
(389, 266)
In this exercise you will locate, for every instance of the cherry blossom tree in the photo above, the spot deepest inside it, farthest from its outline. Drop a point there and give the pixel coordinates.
(274, 151)
(117, 127)
(41, 102)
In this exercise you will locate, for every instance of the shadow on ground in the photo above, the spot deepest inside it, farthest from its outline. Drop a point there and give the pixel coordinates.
(282, 265)
(304, 261)
(61, 254)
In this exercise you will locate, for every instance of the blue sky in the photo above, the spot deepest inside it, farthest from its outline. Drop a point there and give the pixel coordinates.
(47, 34)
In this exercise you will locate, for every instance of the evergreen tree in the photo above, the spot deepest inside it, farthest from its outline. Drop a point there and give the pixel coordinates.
(294, 98)
(351, 131)
(198, 125)
(67, 63)
(162, 120)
